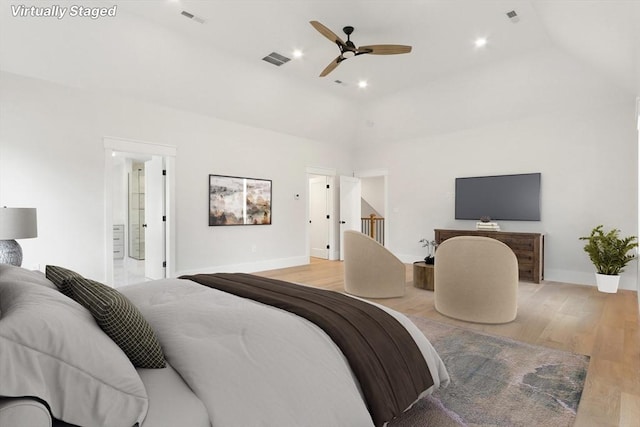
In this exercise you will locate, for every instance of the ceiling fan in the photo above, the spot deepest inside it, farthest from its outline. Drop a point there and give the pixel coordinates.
(348, 49)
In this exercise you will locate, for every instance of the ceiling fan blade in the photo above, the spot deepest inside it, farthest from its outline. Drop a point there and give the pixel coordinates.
(327, 33)
(332, 66)
(384, 49)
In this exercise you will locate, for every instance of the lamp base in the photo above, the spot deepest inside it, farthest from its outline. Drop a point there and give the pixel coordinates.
(10, 252)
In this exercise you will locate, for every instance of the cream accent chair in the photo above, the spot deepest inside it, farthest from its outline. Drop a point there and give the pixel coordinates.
(476, 280)
(370, 269)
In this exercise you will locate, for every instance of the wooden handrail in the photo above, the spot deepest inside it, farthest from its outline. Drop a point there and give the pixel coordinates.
(372, 224)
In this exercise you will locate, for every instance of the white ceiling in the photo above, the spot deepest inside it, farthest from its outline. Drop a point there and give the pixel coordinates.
(150, 51)
(603, 33)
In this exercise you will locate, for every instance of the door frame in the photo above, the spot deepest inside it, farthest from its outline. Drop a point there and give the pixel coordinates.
(115, 144)
(350, 204)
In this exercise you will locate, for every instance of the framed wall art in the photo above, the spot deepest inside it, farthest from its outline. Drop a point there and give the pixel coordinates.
(239, 201)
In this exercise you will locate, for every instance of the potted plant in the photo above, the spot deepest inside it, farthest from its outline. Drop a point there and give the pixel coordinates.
(429, 259)
(609, 254)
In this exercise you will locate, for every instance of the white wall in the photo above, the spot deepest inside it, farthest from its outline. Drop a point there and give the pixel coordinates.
(159, 65)
(588, 161)
(52, 158)
(543, 111)
(569, 124)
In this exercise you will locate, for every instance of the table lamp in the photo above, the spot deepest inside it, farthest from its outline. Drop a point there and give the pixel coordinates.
(15, 223)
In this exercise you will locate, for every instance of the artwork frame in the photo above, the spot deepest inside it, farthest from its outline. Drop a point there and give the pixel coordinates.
(235, 200)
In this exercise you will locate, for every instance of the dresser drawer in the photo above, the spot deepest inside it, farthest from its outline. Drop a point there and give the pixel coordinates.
(527, 247)
(118, 252)
(118, 241)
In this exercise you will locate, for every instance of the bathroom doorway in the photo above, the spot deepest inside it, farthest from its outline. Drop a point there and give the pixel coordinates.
(139, 211)
(133, 253)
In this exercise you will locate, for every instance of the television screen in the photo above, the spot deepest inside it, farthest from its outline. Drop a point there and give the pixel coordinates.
(503, 197)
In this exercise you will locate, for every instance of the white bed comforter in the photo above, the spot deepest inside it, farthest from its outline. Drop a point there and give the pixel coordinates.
(255, 365)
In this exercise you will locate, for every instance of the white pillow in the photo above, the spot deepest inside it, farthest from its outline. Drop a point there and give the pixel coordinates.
(51, 348)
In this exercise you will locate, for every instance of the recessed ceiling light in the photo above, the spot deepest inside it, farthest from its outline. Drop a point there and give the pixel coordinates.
(480, 42)
(297, 53)
(362, 84)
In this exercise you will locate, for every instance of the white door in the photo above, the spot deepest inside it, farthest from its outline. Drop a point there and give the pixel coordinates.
(319, 217)
(154, 212)
(350, 195)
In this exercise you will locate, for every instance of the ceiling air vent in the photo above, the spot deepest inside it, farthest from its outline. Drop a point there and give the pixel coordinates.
(276, 59)
(192, 16)
(513, 16)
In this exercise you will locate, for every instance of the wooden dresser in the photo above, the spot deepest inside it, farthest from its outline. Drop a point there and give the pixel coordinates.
(528, 247)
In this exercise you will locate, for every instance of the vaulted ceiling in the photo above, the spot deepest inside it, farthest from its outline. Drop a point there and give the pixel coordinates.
(212, 63)
(605, 34)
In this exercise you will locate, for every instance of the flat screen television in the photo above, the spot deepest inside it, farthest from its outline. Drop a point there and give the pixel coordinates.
(501, 197)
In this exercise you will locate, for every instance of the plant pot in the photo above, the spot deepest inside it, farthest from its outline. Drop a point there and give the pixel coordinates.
(607, 283)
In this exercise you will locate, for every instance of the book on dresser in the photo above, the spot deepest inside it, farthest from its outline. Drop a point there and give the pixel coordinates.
(528, 248)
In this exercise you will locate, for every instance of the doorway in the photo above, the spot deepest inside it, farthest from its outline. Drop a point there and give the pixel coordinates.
(138, 208)
(350, 207)
(128, 215)
(373, 209)
(139, 211)
(374, 200)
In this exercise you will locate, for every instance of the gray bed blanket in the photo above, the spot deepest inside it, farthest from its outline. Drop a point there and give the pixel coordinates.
(385, 359)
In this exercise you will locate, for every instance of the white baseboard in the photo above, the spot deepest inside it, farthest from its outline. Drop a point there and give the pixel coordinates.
(249, 267)
(410, 259)
(586, 278)
(556, 275)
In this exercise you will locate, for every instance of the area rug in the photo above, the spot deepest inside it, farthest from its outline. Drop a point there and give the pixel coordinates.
(496, 381)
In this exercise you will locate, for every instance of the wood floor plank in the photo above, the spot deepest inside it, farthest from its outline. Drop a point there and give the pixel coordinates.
(565, 316)
(629, 410)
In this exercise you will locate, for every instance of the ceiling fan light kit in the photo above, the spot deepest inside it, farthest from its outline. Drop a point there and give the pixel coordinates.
(348, 49)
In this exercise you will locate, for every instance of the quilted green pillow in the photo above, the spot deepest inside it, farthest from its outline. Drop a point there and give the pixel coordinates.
(119, 319)
(58, 276)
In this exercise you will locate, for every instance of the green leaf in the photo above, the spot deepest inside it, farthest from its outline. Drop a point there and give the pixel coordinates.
(607, 251)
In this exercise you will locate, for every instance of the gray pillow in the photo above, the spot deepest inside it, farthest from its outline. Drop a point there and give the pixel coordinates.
(12, 273)
(52, 349)
(58, 276)
(119, 319)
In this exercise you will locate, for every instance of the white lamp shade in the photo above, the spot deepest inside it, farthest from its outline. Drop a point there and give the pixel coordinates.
(18, 223)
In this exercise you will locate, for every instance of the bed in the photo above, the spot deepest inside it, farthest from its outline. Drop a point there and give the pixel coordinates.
(201, 351)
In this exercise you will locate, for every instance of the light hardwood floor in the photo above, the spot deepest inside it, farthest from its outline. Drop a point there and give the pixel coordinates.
(565, 316)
